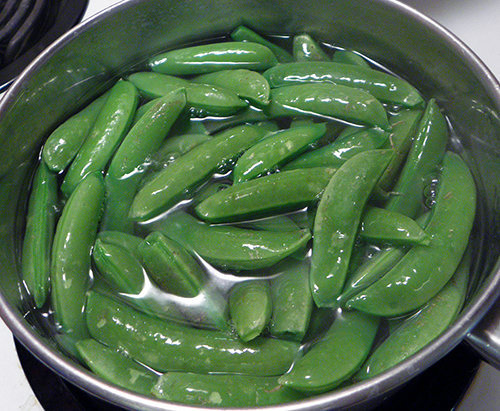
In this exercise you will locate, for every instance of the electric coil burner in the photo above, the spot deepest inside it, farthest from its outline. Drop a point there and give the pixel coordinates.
(27, 27)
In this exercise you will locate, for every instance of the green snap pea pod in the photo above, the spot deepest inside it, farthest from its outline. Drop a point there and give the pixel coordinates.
(243, 33)
(423, 159)
(167, 346)
(247, 84)
(64, 142)
(380, 225)
(347, 145)
(191, 170)
(404, 126)
(337, 222)
(424, 270)
(204, 99)
(265, 196)
(110, 128)
(336, 357)
(171, 266)
(422, 328)
(275, 223)
(250, 115)
(129, 163)
(127, 241)
(328, 100)
(224, 390)
(305, 48)
(116, 368)
(209, 189)
(292, 302)
(233, 247)
(40, 224)
(349, 57)
(214, 57)
(378, 265)
(384, 87)
(275, 150)
(250, 308)
(74, 237)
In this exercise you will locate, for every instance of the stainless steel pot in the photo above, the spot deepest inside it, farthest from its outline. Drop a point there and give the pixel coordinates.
(84, 62)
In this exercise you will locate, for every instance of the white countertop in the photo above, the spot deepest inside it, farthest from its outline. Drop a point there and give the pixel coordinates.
(476, 22)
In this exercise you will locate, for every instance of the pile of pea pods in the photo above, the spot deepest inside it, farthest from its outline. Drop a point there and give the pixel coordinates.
(241, 225)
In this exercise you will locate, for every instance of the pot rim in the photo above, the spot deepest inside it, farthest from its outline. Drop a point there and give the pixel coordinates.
(349, 396)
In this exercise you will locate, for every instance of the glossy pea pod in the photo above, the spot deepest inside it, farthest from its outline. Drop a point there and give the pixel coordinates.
(384, 87)
(116, 368)
(336, 357)
(292, 302)
(65, 141)
(266, 196)
(328, 100)
(73, 240)
(349, 57)
(425, 155)
(166, 346)
(242, 33)
(250, 308)
(129, 163)
(337, 221)
(274, 223)
(214, 57)
(247, 84)
(422, 328)
(38, 237)
(127, 241)
(204, 100)
(348, 144)
(191, 170)
(233, 247)
(269, 154)
(226, 390)
(305, 48)
(110, 128)
(424, 270)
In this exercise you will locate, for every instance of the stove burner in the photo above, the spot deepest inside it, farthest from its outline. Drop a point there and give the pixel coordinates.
(29, 26)
(440, 388)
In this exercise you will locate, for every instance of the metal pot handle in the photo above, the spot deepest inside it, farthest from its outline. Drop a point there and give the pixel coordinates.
(485, 337)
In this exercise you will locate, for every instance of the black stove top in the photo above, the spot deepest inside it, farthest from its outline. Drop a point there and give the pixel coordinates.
(440, 388)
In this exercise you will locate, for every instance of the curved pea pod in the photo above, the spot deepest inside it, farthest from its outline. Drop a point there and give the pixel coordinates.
(129, 163)
(116, 368)
(274, 194)
(292, 302)
(40, 224)
(64, 142)
(171, 266)
(377, 266)
(250, 115)
(166, 346)
(223, 390)
(214, 57)
(110, 128)
(336, 357)
(384, 87)
(233, 247)
(422, 328)
(274, 223)
(73, 240)
(275, 150)
(250, 308)
(380, 225)
(209, 189)
(305, 48)
(127, 241)
(328, 100)
(337, 221)
(424, 270)
(204, 99)
(349, 57)
(243, 33)
(247, 84)
(425, 155)
(191, 170)
(347, 145)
